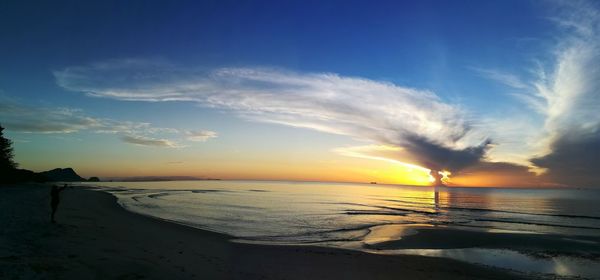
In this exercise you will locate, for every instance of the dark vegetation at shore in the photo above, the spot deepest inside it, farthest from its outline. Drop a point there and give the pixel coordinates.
(10, 173)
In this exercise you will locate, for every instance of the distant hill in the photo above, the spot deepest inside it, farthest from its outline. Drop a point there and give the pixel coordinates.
(69, 175)
(54, 175)
(62, 175)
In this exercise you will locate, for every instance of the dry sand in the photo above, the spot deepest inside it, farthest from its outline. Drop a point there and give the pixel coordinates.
(97, 239)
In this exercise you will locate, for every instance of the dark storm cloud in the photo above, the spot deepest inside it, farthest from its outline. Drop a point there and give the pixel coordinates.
(573, 161)
(437, 157)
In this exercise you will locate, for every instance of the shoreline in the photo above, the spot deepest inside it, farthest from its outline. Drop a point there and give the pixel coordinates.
(97, 238)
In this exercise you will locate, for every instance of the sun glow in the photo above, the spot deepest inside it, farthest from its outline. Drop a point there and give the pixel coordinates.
(445, 176)
(360, 152)
(439, 177)
(398, 172)
(431, 178)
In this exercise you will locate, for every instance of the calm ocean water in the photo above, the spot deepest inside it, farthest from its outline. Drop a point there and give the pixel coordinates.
(343, 214)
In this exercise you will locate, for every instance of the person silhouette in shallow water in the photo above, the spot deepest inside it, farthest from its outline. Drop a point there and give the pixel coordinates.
(55, 199)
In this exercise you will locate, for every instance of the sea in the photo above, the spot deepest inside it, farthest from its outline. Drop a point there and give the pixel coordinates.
(345, 215)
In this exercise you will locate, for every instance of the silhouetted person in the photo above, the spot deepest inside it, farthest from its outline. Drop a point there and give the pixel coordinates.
(436, 198)
(55, 199)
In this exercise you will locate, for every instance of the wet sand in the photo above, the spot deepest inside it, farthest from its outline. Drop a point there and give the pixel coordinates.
(531, 244)
(96, 239)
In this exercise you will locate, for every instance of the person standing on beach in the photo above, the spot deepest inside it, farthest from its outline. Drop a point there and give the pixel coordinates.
(55, 199)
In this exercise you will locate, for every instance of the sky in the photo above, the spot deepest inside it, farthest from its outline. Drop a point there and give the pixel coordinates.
(473, 93)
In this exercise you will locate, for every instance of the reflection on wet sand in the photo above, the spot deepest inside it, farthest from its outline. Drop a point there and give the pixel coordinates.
(559, 265)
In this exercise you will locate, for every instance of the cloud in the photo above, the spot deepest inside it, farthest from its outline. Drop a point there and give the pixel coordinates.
(381, 152)
(569, 94)
(145, 141)
(47, 120)
(36, 119)
(373, 111)
(507, 79)
(22, 118)
(200, 136)
(559, 133)
(573, 160)
(441, 158)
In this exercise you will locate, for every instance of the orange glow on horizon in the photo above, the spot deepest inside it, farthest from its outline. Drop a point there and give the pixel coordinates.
(491, 179)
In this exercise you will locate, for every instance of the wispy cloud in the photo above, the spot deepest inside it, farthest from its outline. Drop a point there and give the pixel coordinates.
(507, 79)
(374, 111)
(570, 91)
(201, 135)
(18, 117)
(566, 96)
(50, 120)
(145, 141)
(380, 152)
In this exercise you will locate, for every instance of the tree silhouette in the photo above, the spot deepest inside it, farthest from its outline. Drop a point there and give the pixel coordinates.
(6, 153)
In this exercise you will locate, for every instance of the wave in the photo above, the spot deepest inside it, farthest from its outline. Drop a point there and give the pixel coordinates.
(521, 213)
(389, 208)
(157, 195)
(138, 197)
(534, 223)
(208, 191)
(469, 209)
(307, 235)
(233, 206)
(367, 212)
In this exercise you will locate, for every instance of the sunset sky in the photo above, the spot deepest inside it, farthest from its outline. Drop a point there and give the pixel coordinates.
(498, 93)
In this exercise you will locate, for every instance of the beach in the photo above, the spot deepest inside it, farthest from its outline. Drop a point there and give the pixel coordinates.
(300, 140)
(95, 238)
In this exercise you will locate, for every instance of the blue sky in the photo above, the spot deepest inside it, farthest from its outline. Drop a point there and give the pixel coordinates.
(479, 62)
